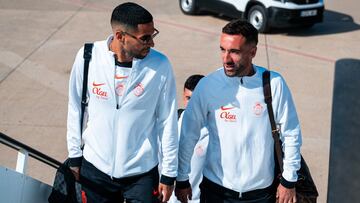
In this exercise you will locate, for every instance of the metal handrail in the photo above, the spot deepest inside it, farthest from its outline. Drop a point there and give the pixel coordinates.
(12, 143)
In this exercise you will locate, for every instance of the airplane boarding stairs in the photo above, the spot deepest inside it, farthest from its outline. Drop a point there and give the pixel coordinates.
(15, 185)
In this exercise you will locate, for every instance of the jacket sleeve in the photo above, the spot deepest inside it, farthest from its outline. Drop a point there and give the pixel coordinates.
(192, 122)
(74, 110)
(287, 118)
(167, 126)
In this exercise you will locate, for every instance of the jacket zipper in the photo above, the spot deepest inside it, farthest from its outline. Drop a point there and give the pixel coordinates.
(118, 105)
(126, 86)
(114, 136)
(116, 96)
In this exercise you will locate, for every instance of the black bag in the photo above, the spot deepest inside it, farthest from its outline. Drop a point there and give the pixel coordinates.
(305, 188)
(65, 187)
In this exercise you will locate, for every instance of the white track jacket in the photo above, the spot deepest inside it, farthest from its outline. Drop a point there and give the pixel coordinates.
(122, 141)
(240, 154)
(197, 165)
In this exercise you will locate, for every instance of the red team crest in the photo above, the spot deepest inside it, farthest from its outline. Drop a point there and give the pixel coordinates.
(120, 89)
(199, 151)
(258, 109)
(138, 90)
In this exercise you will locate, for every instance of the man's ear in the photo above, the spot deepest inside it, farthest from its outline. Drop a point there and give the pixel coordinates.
(118, 35)
(253, 52)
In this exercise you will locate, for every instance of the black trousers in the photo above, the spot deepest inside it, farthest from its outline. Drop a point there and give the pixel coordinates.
(214, 193)
(100, 188)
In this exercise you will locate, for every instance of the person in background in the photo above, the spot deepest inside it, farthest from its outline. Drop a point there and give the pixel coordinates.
(240, 160)
(132, 100)
(189, 87)
(198, 158)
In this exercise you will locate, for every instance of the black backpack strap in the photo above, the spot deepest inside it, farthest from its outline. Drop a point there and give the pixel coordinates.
(274, 129)
(180, 111)
(87, 57)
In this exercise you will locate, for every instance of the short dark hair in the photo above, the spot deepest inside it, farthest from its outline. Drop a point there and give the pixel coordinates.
(130, 15)
(244, 28)
(192, 81)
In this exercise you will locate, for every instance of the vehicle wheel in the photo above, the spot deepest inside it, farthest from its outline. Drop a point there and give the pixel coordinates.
(188, 6)
(258, 18)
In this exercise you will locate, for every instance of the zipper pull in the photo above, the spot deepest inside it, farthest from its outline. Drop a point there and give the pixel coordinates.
(241, 80)
(117, 106)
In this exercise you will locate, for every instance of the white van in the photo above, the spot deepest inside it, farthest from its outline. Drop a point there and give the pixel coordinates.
(263, 14)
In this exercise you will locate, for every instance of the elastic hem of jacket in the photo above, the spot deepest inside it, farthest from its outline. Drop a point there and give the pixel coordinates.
(75, 162)
(167, 180)
(182, 184)
(287, 184)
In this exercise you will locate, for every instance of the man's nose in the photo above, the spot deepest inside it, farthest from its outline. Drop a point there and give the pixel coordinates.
(150, 43)
(226, 57)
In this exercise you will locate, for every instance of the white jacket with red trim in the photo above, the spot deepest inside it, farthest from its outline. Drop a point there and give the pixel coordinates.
(240, 154)
(122, 141)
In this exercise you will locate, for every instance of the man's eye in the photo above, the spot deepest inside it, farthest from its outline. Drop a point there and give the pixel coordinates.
(235, 51)
(145, 38)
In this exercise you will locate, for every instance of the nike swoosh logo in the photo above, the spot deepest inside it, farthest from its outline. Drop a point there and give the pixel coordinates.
(226, 108)
(121, 77)
(98, 84)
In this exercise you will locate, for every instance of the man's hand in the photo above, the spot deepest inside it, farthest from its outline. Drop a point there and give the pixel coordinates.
(285, 195)
(165, 192)
(76, 172)
(183, 195)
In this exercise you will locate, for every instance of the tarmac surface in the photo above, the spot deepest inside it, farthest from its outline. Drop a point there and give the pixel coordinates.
(39, 40)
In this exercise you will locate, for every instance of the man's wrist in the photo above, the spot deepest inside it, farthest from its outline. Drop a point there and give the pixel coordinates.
(287, 184)
(75, 162)
(167, 180)
(182, 184)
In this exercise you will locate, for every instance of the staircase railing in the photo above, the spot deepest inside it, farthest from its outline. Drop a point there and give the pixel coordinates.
(24, 151)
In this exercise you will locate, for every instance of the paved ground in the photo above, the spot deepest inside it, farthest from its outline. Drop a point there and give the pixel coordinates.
(39, 40)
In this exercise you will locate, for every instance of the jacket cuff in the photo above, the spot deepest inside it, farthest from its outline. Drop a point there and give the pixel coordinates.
(287, 184)
(182, 184)
(75, 162)
(167, 180)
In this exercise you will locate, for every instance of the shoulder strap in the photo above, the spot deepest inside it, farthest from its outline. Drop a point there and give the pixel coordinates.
(180, 111)
(274, 129)
(87, 57)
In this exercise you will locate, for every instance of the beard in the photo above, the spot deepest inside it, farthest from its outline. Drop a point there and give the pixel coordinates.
(139, 54)
(233, 69)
